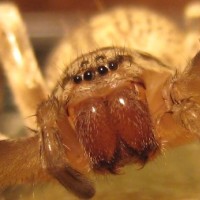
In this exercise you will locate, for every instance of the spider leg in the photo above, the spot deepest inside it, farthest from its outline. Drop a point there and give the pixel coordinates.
(19, 63)
(13, 162)
(185, 95)
(192, 22)
(2, 137)
(53, 153)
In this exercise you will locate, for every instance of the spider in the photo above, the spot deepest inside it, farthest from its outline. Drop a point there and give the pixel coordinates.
(111, 106)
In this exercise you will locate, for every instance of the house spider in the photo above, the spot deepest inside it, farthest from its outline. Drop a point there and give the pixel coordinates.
(111, 107)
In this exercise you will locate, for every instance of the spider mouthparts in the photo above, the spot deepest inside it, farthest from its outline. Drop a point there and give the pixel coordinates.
(115, 129)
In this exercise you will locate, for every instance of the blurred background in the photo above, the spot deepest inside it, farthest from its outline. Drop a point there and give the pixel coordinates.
(91, 6)
(48, 20)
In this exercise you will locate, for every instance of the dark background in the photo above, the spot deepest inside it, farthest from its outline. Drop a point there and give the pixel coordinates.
(91, 5)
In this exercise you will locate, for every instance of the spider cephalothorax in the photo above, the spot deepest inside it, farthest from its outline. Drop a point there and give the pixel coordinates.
(107, 107)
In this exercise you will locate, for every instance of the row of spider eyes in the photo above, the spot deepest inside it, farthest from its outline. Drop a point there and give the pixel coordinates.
(101, 70)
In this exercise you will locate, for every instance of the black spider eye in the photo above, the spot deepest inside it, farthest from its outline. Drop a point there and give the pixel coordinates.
(88, 75)
(77, 79)
(113, 65)
(102, 70)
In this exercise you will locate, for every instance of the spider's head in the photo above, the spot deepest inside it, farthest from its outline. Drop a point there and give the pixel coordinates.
(105, 101)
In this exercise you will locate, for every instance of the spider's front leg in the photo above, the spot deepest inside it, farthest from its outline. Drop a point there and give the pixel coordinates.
(56, 155)
(184, 94)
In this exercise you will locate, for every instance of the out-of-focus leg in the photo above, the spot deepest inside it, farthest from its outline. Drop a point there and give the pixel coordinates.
(192, 23)
(19, 63)
(2, 137)
(185, 96)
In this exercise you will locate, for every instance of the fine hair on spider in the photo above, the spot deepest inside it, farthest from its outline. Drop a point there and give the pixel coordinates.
(112, 107)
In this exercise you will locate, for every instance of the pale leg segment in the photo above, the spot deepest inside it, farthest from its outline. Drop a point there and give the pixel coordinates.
(19, 63)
